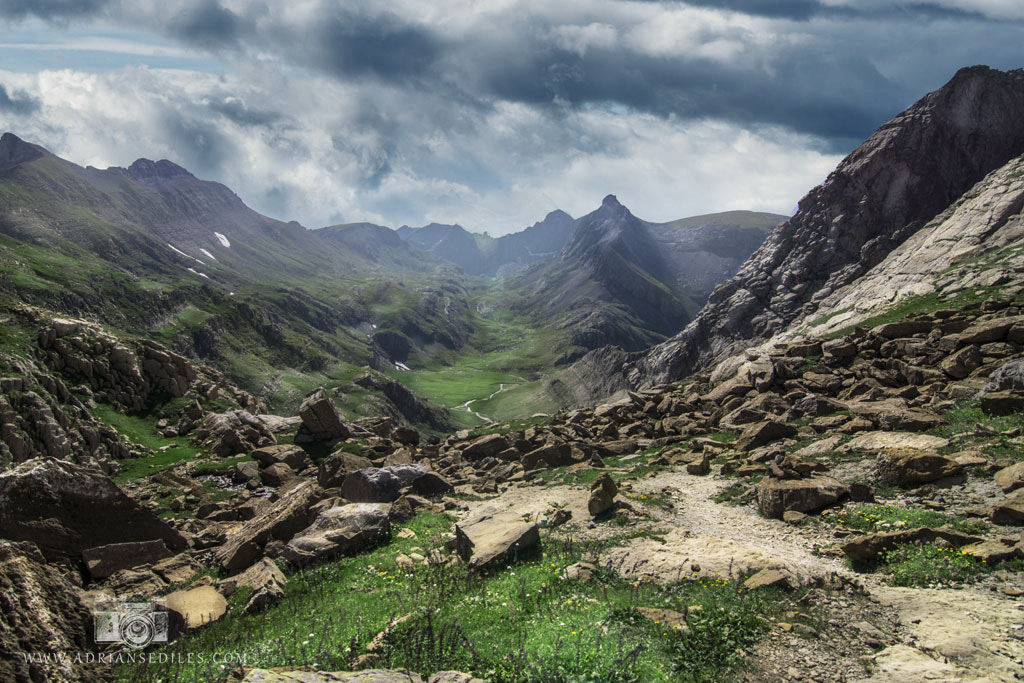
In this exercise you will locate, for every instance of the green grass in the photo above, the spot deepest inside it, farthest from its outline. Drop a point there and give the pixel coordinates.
(524, 623)
(961, 428)
(925, 565)
(875, 518)
(142, 431)
(732, 494)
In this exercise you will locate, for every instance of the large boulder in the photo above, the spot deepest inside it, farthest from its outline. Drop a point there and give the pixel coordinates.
(233, 432)
(321, 419)
(880, 441)
(1011, 478)
(490, 538)
(380, 484)
(290, 455)
(335, 467)
(762, 433)
(66, 508)
(341, 530)
(40, 613)
(1010, 510)
(905, 466)
(280, 521)
(894, 415)
(776, 496)
(105, 560)
(485, 447)
(1008, 377)
(547, 456)
(197, 606)
(1002, 402)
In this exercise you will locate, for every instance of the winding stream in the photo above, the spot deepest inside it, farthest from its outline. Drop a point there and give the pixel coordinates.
(501, 387)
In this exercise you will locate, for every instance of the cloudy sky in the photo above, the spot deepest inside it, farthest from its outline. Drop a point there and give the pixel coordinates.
(489, 113)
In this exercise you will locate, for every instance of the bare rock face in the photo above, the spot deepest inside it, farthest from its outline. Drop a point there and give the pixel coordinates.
(908, 172)
(40, 613)
(66, 508)
(234, 432)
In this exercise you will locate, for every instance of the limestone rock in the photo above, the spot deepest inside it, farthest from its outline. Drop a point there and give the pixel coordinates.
(277, 474)
(103, 561)
(879, 441)
(321, 418)
(487, 446)
(66, 508)
(279, 521)
(602, 495)
(1002, 402)
(868, 548)
(292, 456)
(335, 467)
(763, 433)
(1010, 510)
(341, 530)
(491, 538)
(905, 466)
(198, 606)
(380, 484)
(233, 432)
(41, 612)
(775, 496)
(1010, 478)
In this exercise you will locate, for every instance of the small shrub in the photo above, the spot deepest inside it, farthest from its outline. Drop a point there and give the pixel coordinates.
(872, 518)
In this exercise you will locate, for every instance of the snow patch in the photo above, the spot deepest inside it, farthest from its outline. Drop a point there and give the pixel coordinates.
(208, 254)
(223, 240)
(192, 270)
(179, 251)
(402, 366)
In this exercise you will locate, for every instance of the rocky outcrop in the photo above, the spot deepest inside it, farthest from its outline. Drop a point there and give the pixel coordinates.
(491, 538)
(320, 419)
(405, 404)
(65, 509)
(40, 614)
(234, 432)
(908, 172)
(340, 530)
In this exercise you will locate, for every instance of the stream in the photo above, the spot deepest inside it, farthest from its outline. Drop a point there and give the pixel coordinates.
(501, 387)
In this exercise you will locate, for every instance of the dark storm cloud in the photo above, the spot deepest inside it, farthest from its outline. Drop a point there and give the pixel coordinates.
(803, 10)
(18, 102)
(206, 24)
(50, 9)
(237, 111)
(345, 43)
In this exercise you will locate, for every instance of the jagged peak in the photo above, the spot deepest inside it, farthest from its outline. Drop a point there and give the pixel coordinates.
(15, 151)
(611, 201)
(145, 169)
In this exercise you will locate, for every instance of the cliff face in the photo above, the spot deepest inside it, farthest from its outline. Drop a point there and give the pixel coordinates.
(908, 172)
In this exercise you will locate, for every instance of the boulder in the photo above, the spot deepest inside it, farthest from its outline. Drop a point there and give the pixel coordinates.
(177, 569)
(903, 328)
(40, 612)
(277, 474)
(880, 441)
(894, 415)
(321, 419)
(65, 508)
(993, 552)
(485, 447)
(406, 436)
(962, 363)
(904, 466)
(1010, 478)
(602, 495)
(264, 578)
(380, 484)
(491, 538)
(341, 530)
(198, 606)
(1010, 510)
(775, 496)
(762, 433)
(665, 618)
(1008, 377)
(769, 577)
(547, 456)
(290, 455)
(1000, 403)
(868, 548)
(103, 561)
(336, 466)
(233, 432)
(431, 485)
(279, 521)
(987, 330)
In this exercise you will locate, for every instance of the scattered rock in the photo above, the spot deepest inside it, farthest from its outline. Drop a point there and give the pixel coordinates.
(763, 433)
(342, 530)
(1010, 478)
(602, 495)
(491, 538)
(768, 577)
(321, 419)
(105, 560)
(868, 548)
(903, 466)
(775, 496)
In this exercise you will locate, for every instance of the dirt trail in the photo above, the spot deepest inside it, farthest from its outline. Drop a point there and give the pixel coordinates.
(971, 634)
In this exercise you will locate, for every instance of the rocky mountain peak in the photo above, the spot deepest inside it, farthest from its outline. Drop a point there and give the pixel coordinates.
(145, 170)
(909, 171)
(611, 200)
(15, 151)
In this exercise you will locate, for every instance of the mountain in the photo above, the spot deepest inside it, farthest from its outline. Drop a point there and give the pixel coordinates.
(484, 255)
(909, 171)
(629, 283)
(379, 248)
